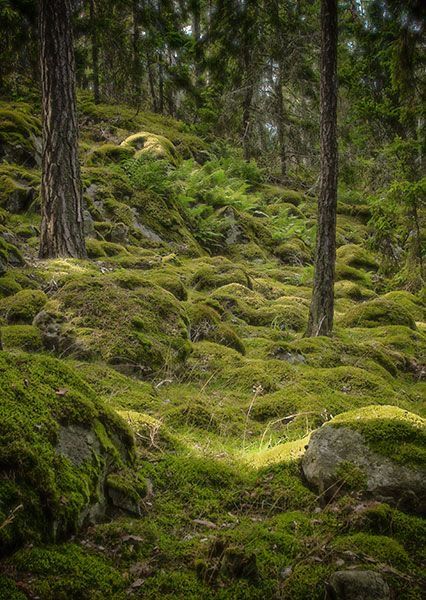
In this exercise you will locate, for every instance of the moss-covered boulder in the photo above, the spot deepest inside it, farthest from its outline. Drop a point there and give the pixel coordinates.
(109, 153)
(58, 446)
(135, 325)
(155, 145)
(380, 311)
(377, 450)
(20, 134)
(357, 257)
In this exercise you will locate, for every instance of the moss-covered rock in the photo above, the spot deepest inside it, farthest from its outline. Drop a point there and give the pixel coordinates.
(293, 252)
(139, 330)
(380, 311)
(58, 443)
(214, 273)
(23, 306)
(385, 445)
(19, 133)
(205, 324)
(109, 153)
(357, 257)
(153, 144)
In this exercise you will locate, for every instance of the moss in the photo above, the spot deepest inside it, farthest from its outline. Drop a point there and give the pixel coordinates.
(293, 252)
(357, 257)
(18, 131)
(108, 153)
(153, 144)
(8, 285)
(381, 548)
(140, 330)
(9, 591)
(352, 290)
(346, 272)
(379, 311)
(21, 337)
(168, 281)
(54, 492)
(411, 303)
(205, 324)
(100, 249)
(9, 255)
(68, 571)
(215, 273)
(23, 306)
(389, 430)
(408, 530)
(274, 193)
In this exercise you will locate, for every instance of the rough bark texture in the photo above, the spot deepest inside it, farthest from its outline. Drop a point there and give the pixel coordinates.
(61, 193)
(322, 305)
(281, 119)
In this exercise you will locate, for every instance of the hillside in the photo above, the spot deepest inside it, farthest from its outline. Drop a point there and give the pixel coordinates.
(157, 399)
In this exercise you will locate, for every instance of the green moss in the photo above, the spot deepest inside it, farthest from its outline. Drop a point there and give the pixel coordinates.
(140, 330)
(168, 281)
(9, 591)
(68, 571)
(274, 193)
(411, 303)
(346, 272)
(8, 285)
(101, 249)
(18, 131)
(23, 306)
(293, 252)
(352, 290)
(21, 337)
(381, 548)
(153, 144)
(205, 324)
(357, 257)
(389, 430)
(9, 255)
(214, 273)
(39, 394)
(108, 153)
(379, 311)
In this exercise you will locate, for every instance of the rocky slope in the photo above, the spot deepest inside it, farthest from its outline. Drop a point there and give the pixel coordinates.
(157, 399)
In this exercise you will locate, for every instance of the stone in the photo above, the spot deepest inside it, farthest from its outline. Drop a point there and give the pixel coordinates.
(357, 585)
(333, 448)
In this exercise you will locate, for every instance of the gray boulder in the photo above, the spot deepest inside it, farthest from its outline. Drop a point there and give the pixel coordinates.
(357, 585)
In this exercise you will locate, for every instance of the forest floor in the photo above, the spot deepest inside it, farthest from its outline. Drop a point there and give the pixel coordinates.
(187, 320)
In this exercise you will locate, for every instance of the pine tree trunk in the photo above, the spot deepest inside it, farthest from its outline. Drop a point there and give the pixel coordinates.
(322, 304)
(95, 52)
(137, 67)
(281, 120)
(61, 194)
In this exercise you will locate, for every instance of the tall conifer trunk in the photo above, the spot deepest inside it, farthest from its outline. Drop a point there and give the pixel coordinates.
(61, 193)
(322, 304)
(95, 51)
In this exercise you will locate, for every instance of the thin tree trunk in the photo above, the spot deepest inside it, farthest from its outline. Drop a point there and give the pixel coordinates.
(137, 71)
(95, 51)
(61, 194)
(160, 84)
(322, 304)
(281, 119)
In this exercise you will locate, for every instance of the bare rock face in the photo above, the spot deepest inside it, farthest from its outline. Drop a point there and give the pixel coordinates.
(357, 585)
(334, 454)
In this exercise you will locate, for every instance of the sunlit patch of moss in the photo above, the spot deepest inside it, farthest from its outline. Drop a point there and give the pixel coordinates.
(107, 153)
(357, 257)
(384, 549)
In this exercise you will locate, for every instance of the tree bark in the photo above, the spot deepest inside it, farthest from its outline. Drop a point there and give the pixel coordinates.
(95, 51)
(61, 193)
(281, 119)
(137, 66)
(322, 304)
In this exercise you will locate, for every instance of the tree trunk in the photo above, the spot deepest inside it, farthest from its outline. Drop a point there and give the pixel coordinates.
(95, 51)
(322, 304)
(281, 119)
(137, 70)
(61, 194)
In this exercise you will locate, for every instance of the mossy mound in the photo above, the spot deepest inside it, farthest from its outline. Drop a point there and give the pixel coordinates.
(140, 330)
(205, 324)
(21, 337)
(109, 153)
(274, 193)
(379, 311)
(23, 306)
(155, 145)
(214, 273)
(357, 257)
(58, 443)
(9, 256)
(293, 252)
